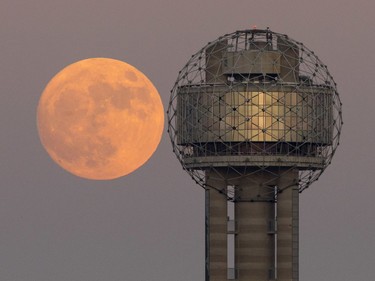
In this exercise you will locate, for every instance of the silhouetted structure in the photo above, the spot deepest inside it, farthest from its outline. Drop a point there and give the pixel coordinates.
(254, 118)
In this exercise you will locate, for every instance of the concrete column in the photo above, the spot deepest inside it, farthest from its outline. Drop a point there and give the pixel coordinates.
(288, 227)
(214, 62)
(289, 62)
(255, 244)
(216, 229)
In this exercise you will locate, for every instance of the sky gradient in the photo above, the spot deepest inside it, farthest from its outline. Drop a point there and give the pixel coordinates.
(149, 226)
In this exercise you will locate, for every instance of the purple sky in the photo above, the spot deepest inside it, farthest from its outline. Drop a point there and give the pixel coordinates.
(149, 226)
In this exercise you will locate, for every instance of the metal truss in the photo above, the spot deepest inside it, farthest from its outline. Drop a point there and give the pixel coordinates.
(255, 101)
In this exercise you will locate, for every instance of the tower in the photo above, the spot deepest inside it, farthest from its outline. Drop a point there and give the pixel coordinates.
(254, 118)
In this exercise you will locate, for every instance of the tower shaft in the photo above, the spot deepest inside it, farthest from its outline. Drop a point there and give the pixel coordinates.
(265, 233)
(216, 230)
(288, 228)
(254, 238)
(254, 118)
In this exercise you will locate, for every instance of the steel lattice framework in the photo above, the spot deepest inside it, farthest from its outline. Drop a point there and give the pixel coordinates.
(255, 101)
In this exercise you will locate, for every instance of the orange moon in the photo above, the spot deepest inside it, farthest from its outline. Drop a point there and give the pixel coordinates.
(100, 118)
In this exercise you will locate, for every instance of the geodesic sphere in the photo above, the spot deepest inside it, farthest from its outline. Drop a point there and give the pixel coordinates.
(255, 101)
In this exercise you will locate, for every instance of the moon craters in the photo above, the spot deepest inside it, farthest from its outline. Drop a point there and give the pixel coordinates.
(100, 118)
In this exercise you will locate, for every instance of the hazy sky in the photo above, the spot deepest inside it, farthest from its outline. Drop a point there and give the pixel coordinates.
(149, 226)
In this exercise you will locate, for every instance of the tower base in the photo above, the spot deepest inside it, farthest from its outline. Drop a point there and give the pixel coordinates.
(265, 226)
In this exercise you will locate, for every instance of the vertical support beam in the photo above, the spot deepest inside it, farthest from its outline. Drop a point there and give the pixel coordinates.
(216, 228)
(288, 227)
(255, 245)
(289, 60)
(207, 234)
(214, 62)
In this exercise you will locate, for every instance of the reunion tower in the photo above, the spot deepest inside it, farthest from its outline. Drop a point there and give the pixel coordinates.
(254, 118)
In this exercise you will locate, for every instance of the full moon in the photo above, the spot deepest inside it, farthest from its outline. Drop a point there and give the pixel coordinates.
(100, 118)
